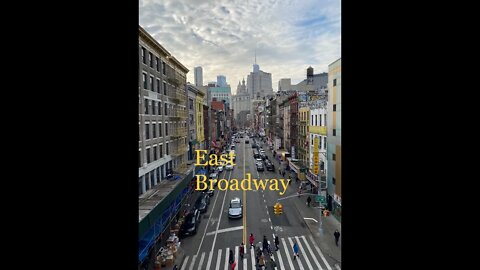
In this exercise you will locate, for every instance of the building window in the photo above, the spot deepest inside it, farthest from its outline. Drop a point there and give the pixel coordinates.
(160, 130)
(312, 120)
(154, 129)
(158, 86)
(334, 181)
(165, 88)
(140, 189)
(334, 132)
(167, 151)
(154, 152)
(334, 157)
(325, 142)
(166, 109)
(316, 122)
(152, 178)
(334, 82)
(151, 59)
(145, 81)
(157, 64)
(320, 120)
(334, 107)
(139, 158)
(161, 151)
(146, 106)
(144, 55)
(159, 108)
(162, 170)
(151, 83)
(166, 130)
(148, 155)
(191, 104)
(163, 68)
(147, 183)
(147, 131)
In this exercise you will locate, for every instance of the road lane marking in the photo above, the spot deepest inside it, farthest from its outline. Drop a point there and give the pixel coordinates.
(298, 258)
(193, 262)
(220, 216)
(269, 218)
(311, 219)
(208, 221)
(311, 252)
(303, 252)
(287, 253)
(226, 230)
(271, 227)
(201, 260)
(185, 263)
(337, 266)
(320, 252)
(218, 259)
(226, 258)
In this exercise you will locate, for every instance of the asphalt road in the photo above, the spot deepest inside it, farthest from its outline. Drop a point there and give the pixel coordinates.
(217, 234)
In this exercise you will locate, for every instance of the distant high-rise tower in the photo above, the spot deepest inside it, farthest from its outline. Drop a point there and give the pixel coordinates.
(198, 76)
(221, 81)
(256, 67)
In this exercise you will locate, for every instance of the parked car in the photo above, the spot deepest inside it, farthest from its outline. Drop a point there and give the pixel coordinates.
(229, 167)
(192, 220)
(259, 159)
(260, 166)
(235, 209)
(201, 204)
(220, 168)
(269, 165)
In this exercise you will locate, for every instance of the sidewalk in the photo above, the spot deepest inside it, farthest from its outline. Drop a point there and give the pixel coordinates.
(326, 226)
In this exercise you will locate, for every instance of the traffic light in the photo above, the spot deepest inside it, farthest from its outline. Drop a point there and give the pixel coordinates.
(277, 209)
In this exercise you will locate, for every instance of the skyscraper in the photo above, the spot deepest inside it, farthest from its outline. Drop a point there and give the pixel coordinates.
(259, 83)
(198, 76)
(221, 81)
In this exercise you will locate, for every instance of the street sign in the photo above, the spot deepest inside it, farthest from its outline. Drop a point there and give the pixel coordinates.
(320, 199)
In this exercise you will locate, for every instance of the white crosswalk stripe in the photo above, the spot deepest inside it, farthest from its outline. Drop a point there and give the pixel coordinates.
(184, 263)
(307, 259)
(209, 259)
(193, 262)
(218, 259)
(298, 259)
(252, 255)
(302, 251)
(236, 257)
(201, 260)
(311, 252)
(320, 252)
(287, 251)
(226, 258)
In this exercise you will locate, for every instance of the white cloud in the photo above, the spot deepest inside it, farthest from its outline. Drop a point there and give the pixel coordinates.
(221, 36)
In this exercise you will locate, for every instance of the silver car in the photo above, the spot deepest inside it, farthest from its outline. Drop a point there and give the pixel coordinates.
(235, 209)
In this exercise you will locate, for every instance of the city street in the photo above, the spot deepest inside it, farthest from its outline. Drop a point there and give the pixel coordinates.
(217, 234)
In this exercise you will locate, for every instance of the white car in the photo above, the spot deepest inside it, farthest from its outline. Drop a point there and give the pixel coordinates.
(259, 159)
(220, 168)
(229, 167)
(235, 209)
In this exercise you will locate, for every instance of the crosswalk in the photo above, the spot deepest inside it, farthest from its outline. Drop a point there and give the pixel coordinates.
(310, 258)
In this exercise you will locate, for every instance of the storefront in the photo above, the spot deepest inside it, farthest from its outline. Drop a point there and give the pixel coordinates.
(337, 207)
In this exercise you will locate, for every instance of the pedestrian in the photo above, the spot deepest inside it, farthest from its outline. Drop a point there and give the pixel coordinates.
(309, 200)
(277, 242)
(251, 240)
(295, 250)
(242, 251)
(261, 261)
(337, 236)
(265, 244)
(231, 257)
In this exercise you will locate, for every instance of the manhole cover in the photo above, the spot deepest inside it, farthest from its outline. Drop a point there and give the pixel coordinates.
(264, 220)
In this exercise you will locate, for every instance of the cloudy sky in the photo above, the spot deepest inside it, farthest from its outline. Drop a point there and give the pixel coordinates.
(221, 35)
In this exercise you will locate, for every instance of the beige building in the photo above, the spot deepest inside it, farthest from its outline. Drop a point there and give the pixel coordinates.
(334, 138)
